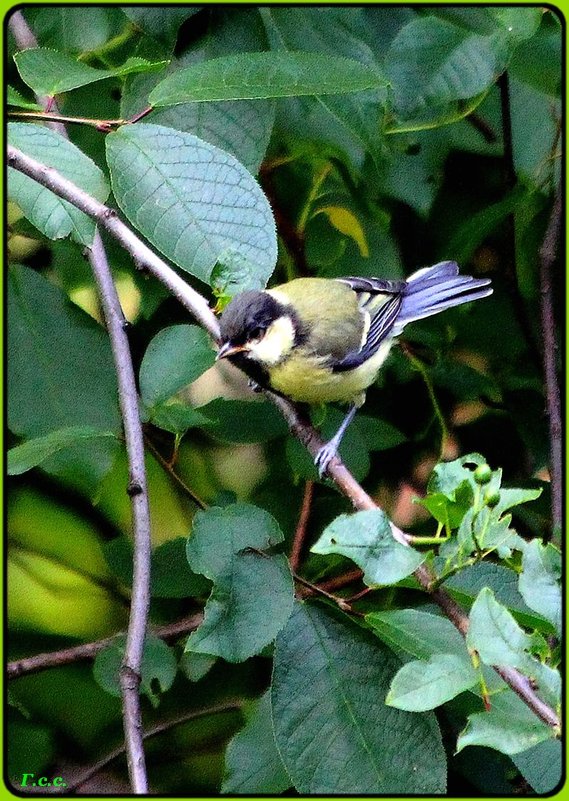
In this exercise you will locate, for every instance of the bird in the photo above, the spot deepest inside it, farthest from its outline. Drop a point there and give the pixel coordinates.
(323, 340)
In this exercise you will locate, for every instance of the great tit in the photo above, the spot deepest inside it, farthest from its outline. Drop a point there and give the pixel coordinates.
(320, 340)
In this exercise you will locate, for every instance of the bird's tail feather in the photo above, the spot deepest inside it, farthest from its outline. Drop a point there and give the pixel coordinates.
(434, 289)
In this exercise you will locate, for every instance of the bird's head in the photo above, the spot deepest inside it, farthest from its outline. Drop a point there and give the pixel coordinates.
(257, 326)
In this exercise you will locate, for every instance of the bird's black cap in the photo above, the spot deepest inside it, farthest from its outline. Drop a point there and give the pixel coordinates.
(247, 312)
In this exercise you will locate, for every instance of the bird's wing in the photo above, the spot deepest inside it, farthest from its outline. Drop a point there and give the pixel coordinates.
(379, 301)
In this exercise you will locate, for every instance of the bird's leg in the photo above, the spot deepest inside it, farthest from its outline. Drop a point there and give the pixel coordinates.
(330, 449)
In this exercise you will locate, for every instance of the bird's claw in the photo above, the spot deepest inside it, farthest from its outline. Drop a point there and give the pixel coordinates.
(324, 456)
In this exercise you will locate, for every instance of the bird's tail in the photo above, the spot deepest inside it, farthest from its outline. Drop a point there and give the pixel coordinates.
(434, 289)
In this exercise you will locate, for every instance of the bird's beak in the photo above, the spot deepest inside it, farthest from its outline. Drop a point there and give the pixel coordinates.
(228, 349)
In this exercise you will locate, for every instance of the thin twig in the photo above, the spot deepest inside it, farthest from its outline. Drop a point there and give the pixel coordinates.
(299, 426)
(547, 255)
(316, 590)
(510, 181)
(89, 650)
(165, 464)
(85, 775)
(300, 532)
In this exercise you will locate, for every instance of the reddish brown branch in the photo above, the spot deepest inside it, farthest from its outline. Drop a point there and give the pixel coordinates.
(89, 650)
(548, 255)
(300, 533)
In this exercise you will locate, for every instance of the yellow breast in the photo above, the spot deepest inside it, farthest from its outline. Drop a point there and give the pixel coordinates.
(314, 382)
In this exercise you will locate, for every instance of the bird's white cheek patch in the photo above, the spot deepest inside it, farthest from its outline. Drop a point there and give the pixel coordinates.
(276, 344)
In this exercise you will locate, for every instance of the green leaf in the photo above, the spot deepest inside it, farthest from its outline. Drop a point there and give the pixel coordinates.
(176, 417)
(417, 633)
(49, 72)
(175, 357)
(366, 539)
(332, 735)
(465, 586)
(35, 451)
(505, 732)
(170, 576)
(252, 595)
(161, 23)
(541, 766)
(61, 375)
(494, 633)
(519, 23)
(263, 75)
(54, 217)
(436, 67)
(448, 477)
(422, 685)
(14, 98)
(196, 666)
(70, 29)
(514, 497)
(158, 668)
(539, 581)
(224, 217)
(252, 762)
(243, 421)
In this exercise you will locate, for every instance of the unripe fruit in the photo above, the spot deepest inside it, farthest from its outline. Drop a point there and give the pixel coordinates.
(482, 474)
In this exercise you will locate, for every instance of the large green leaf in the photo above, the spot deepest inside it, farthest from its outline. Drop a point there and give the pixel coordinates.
(366, 539)
(334, 734)
(193, 201)
(54, 217)
(49, 72)
(505, 731)
(61, 375)
(252, 762)
(252, 595)
(350, 121)
(175, 357)
(417, 633)
(539, 581)
(160, 22)
(35, 451)
(541, 766)
(497, 638)
(438, 70)
(73, 28)
(426, 684)
(264, 75)
(242, 127)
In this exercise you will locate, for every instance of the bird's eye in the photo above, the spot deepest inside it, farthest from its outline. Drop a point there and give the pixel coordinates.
(257, 333)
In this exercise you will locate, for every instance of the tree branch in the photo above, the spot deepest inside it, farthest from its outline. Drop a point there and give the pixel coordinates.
(299, 426)
(137, 488)
(300, 532)
(547, 255)
(89, 650)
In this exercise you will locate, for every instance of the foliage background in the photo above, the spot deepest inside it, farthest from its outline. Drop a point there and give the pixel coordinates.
(378, 182)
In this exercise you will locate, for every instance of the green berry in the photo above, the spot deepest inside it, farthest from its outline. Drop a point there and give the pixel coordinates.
(491, 498)
(482, 474)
